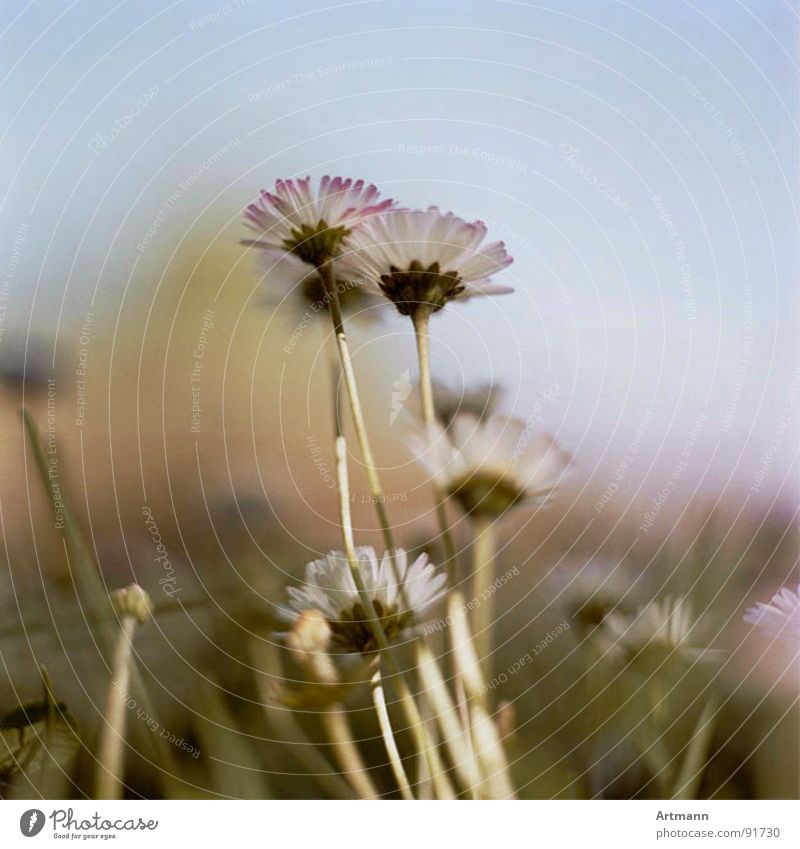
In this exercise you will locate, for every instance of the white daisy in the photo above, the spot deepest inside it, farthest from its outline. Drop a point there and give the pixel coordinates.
(590, 591)
(779, 618)
(662, 623)
(424, 257)
(490, 465)
(666, 622)
(329, 588)
(310, 225)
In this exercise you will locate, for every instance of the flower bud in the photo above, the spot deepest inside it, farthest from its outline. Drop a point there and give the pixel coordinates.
(310, 633)
(309, 639)
(132, 601)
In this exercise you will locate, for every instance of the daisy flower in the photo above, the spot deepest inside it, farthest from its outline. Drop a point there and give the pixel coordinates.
(779, 618)
(590, 591)
(401, 603)
(307, 224)
(662, 623)
(424, 257)
(666, 622)
(490, 465)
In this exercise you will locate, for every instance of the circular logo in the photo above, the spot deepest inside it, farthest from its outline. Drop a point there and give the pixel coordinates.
(31, 822)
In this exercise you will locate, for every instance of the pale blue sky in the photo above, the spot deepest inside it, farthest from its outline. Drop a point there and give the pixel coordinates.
(558, 123)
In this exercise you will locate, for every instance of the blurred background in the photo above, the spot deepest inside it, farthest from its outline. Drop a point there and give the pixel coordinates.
(640, 162)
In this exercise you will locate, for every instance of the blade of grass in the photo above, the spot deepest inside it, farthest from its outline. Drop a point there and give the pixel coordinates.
(93, 593)
(87, 579)
(232, 759)
(691, 772)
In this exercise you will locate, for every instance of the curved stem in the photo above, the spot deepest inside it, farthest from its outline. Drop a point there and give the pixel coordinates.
(496, 778)
(421, 318)
(438, 775)
(347, 753)
(436, 769)
(424, 745)
(694, 763)
(112, 741)
(284, 722)
(379, 701)
(455, 736)
(326, 275)
(343, 368)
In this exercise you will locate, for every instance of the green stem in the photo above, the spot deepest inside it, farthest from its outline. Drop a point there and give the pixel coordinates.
(691, 772)
(407, 702)
(347, 753)
(455, 736)
(336, 395)
(283, 720)
(82, 566)
(438, 775)
(110, 756)
(421, 318)
(379, 701)
(90, 583)
(496, 778)
(342, 368)
(422, 740)
(340, 448)
(326, 275)
(483, 552)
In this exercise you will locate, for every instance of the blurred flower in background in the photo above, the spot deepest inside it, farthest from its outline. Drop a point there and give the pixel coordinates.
(488, 466)
(780, 617)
